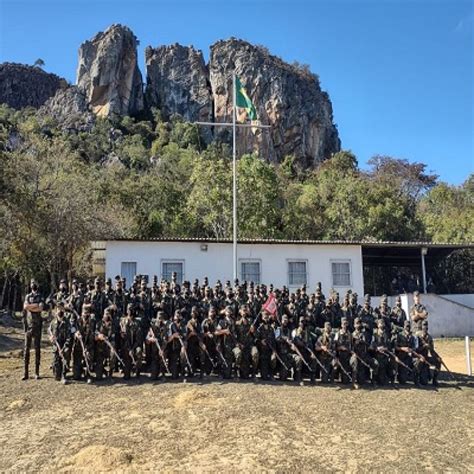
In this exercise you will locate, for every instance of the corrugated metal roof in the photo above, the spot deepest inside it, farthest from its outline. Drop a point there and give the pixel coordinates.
(363, 243)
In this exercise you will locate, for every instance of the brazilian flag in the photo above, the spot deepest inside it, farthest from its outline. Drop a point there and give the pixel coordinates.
(243, 100)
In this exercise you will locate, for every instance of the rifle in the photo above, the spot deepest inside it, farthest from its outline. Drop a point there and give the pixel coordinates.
(84, 353)
(361, 360)
(222, 357)
(280, 359)
(339, 363)
(203, 347)
(398, 361)
(422, 358)
(185, 353)
(112, 349)
(159, 350)
(60, 351)
(443, 364)
(295, 348)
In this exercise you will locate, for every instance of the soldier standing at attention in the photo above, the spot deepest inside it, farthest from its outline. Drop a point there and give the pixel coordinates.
(398, 315)
(418, 312)
(33, 324)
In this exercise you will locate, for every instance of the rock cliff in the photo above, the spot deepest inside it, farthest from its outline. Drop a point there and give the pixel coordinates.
(27, 86)
(108, 72)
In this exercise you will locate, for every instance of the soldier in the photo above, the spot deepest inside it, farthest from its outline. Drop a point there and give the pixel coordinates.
(196, 353)
(404, 344)
(426, 357)
(83, 333)
(303, 343)
(174, 346)
(76, 298)
(266, 337)
(383, 312)
(366, 316)
(132, 343)
(62, 294)
(361, 362)
(343, 341)
(60, 337)
(208, 329)
(325, 346)
(33, 326)
(398, 315)
(245, 350)
(225, 342)
(418, 311)
(104, 340)
(380, 344)
(156, 338)
(95, 299)
(285, 346)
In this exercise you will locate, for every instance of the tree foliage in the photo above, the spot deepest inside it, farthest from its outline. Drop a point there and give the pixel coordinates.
(62, 188)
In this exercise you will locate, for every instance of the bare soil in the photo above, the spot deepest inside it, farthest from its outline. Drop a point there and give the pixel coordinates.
(236, 426)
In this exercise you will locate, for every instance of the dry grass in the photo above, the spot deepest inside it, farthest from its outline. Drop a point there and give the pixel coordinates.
(130, 427)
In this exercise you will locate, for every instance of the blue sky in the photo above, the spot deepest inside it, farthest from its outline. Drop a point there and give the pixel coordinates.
(399, 73)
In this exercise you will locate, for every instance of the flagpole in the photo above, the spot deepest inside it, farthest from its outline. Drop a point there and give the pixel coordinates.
(234, 178)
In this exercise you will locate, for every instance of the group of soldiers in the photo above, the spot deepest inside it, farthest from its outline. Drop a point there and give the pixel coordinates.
(243, 330)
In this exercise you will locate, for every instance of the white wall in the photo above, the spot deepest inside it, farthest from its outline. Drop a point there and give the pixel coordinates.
(445, 317)
(466, 299)
(216, 263)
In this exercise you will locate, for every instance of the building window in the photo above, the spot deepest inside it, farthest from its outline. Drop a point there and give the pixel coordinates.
(297, 273)
(341, 273)
(250, 270)
(128, 270)
(170, 266)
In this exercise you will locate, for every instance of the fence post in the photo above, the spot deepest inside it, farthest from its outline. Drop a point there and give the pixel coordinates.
(468, 356)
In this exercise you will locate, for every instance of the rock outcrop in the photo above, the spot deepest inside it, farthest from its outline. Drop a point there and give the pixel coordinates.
(178, 82)
(27, 86)
(287, 97)
(108, 72)
(69, 108)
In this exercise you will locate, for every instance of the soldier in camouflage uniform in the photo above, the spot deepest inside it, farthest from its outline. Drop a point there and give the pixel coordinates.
(383, 312)
(426, 357)
(60, 337)
(361, 361)
(418, 312)
(156, 339)
(208, 329)
(404, 344)
(83, 346)
(245, 350)
(324, 346)
(105, 332)
(343, 341)
(33, 326)
(132, 343)
(285, 348)
(366, 316)
(225, 342)
(174, 346)
(196, 354)
(398, 315)
(379, 345)
(265, 336)
(303, 345)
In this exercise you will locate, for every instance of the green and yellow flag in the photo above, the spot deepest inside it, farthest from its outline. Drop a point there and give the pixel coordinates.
(243, 100)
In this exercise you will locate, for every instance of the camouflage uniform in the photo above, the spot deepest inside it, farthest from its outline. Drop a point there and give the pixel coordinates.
(326, 343)
(245, 351)
(60, 335)
(225, 344)
(425, 348)
(132, 343)
(284, 346)
(33, 326)
(361, 360)
(343, 341)
(83, 330)
(404, 342)
(105, 331)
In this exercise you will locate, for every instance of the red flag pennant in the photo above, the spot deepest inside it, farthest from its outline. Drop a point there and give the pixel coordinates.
(270, 305)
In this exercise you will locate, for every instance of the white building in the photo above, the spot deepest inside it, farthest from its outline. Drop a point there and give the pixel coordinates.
(335, 265)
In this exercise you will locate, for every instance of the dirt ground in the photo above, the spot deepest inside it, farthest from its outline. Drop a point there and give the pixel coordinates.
(236, 426)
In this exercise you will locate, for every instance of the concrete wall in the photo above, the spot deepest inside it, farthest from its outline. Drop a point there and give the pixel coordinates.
(216, 262)
(466, 300)
(446, 318)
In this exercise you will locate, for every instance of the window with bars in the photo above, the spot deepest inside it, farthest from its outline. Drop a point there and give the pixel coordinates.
(297, 273)
(168, 267)
(250, 271)
(128, 270)
(341, 273)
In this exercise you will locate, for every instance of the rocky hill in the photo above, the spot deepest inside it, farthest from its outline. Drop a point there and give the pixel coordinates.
(179, 82)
